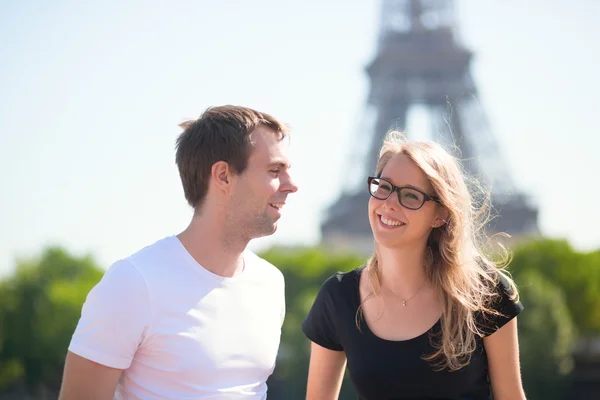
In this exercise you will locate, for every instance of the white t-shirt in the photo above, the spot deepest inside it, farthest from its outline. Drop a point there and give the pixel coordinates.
(180, 331)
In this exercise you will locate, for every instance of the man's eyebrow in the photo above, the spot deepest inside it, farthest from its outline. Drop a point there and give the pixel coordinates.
(281, 164)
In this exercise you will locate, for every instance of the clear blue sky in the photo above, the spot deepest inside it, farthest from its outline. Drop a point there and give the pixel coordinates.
(91, 94)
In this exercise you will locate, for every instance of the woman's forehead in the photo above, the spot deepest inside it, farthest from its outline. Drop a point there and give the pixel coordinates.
(400, 170)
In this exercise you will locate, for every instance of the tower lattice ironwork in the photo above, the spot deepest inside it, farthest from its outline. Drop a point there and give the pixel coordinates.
(420, 61)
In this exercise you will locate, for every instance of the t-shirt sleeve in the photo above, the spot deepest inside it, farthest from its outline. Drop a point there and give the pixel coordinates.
(113, 318)
(319, 325)
(282, 299)
(507, 306)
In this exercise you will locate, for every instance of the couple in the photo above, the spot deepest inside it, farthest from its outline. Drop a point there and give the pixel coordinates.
(198, 316)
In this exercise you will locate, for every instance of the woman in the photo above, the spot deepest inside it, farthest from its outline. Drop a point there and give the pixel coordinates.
(429, 316)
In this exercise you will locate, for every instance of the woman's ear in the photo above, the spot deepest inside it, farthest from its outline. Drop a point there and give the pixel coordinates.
(441, 218)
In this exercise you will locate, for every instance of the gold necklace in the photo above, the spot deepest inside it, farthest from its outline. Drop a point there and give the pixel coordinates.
(402, 300)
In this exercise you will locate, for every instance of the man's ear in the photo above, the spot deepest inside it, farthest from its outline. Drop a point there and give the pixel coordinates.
(221, 175)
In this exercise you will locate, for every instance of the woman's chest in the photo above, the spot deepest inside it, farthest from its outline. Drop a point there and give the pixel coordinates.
(382, 369)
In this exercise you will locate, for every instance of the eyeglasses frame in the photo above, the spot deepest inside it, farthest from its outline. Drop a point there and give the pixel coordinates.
(397, 189)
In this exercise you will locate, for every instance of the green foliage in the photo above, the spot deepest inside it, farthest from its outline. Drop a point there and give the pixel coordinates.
(559, 288)
(40, 305)
(546, 337)
(11, 371)
(576, 274)
(305, 270)
(41, 302)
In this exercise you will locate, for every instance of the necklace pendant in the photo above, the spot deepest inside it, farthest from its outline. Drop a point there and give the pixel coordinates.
(403, 303)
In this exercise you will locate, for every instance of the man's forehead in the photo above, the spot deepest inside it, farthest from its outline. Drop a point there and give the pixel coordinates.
(270, 149)
(276, 155)
(266, 133)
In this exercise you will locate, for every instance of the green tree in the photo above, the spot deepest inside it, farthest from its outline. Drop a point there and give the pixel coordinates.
(560, 289)
(546, 337)
(305, 270)
(40, 305)
(553, 280)
(576, 274)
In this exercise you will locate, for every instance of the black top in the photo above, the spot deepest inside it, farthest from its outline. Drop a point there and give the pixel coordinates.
(385, 370)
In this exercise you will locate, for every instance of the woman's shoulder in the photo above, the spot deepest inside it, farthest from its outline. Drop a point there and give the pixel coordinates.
(499, 282)
(339, 291)
(343, 281)
(505, 304)
(504, 287)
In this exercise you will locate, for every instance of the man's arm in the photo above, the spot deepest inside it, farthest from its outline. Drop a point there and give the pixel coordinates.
(87, 380)
(110, 330)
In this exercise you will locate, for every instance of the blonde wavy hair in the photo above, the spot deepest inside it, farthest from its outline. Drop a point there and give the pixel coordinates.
(463, 276)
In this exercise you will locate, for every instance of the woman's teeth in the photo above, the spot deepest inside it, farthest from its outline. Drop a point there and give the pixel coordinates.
(390, 222)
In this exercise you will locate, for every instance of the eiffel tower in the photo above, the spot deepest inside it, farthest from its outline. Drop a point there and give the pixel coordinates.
(421, 62)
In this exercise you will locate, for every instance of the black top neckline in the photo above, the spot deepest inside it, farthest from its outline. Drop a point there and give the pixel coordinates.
(365, 325)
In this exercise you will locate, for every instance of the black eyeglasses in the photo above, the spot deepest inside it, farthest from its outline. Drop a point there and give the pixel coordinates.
(409, 197)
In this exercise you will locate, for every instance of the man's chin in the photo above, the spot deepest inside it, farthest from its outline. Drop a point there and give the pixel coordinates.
(273, 228)
(266, 231)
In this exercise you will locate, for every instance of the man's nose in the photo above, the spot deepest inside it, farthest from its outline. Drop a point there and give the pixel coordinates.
(290, 185)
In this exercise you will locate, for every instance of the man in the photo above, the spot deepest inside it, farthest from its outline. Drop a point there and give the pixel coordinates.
(197, 315)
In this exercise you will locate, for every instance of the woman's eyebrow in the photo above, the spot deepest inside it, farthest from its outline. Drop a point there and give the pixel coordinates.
(408, 185)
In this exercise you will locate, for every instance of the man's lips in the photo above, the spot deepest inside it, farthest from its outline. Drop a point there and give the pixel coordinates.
(277, 205)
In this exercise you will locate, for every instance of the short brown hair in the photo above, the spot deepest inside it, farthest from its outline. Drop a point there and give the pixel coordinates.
(219, 134)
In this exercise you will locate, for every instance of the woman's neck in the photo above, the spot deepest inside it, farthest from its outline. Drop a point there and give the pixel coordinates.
(403, 269)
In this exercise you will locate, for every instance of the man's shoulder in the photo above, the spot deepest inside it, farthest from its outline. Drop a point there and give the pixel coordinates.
(161, 246)
(161, 251)
(263, 266)
(145, 262)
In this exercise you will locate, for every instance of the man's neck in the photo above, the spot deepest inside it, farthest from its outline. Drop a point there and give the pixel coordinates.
(209, 245)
